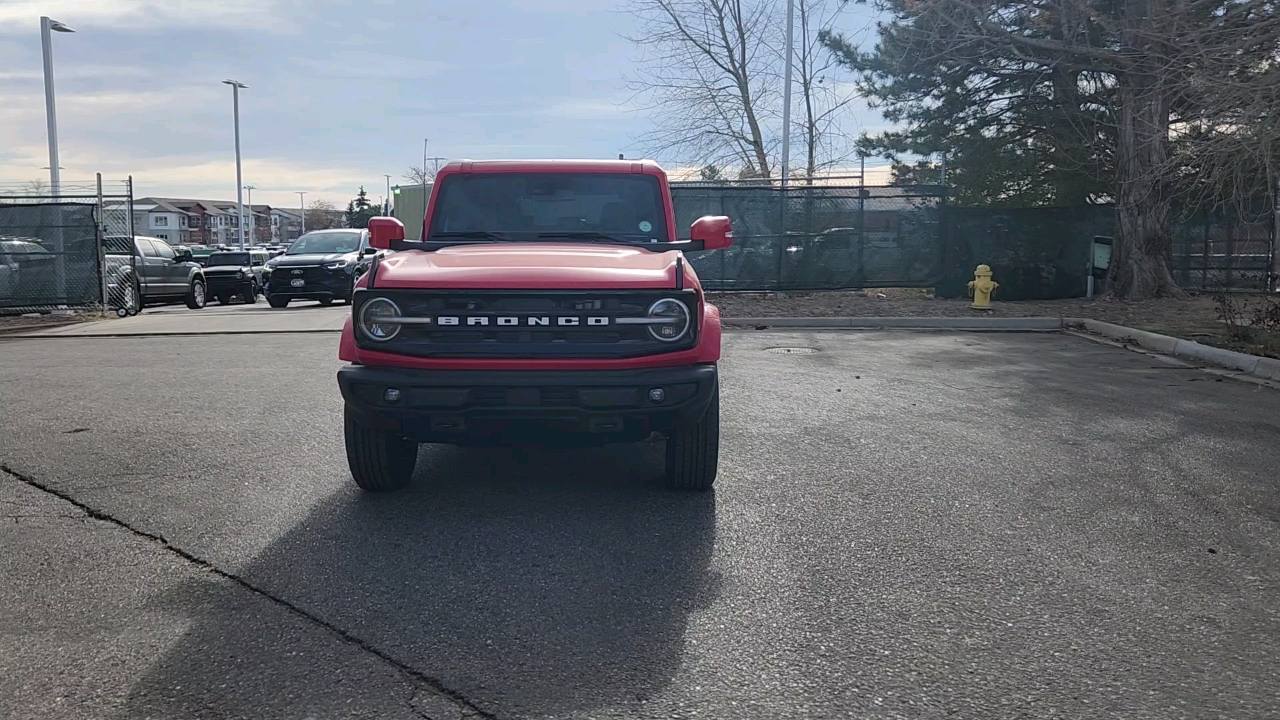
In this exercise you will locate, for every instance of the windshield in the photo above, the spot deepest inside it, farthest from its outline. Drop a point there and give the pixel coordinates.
(528, 205)
(326, 243)
(227, 258)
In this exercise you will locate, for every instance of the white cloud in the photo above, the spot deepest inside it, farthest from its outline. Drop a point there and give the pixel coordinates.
(19, 16)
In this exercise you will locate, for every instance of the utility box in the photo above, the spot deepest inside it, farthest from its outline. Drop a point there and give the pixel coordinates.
(409, 204)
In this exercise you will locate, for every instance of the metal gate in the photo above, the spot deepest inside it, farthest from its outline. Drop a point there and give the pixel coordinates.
(818, 237)
(59, 250)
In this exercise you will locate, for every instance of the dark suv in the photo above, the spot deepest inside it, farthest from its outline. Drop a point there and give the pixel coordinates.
(236, 274)
(321, 265)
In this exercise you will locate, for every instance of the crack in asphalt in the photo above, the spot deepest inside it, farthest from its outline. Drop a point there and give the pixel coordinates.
(434, 684)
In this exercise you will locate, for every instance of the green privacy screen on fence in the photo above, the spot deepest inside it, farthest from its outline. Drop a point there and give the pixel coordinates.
(810, 238)
(825, 238)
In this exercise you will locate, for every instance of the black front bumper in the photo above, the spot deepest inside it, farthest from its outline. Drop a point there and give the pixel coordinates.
(218, 284)
(320, 284)
(482, 407)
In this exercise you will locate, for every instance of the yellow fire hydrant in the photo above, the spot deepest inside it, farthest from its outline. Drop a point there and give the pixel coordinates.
(981, 287)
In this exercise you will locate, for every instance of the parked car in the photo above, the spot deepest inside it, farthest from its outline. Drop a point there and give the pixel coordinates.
(145, 271)
(321, 265)
(236, 274)
(25, 269)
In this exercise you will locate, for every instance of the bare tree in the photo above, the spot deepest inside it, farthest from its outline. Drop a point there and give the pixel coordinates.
(322, 215)
(825, 100)
(420, 175)
(707, 72)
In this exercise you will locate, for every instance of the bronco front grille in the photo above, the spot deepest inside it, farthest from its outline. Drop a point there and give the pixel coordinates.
(527, 323)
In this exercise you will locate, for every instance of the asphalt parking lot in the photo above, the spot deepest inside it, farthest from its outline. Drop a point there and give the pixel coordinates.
(906, 524)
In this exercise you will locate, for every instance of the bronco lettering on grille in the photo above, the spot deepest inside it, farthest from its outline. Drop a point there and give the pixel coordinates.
(531, 321)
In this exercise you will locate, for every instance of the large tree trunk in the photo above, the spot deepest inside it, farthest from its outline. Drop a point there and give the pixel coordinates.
(1141, 260)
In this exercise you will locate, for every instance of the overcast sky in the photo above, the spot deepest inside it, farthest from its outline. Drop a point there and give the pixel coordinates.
(340, 93)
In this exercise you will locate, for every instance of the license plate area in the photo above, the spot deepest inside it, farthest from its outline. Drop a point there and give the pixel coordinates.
(297, 282)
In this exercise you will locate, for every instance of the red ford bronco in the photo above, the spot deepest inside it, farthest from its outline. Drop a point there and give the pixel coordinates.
(546, 302)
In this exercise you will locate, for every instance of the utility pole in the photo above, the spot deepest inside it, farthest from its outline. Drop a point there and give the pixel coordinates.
(47, 28)
(250, 189)
(302, 207)
(386, 206)
(786, 94)
(235, 109)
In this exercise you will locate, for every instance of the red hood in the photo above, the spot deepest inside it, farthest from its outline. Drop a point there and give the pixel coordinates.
(528, 266)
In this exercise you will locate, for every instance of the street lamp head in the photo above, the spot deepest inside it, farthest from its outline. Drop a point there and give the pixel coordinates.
(235, 83)
(56, 26)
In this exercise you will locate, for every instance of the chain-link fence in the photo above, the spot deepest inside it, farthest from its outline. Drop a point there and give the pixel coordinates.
(55, 250)
(818, 237)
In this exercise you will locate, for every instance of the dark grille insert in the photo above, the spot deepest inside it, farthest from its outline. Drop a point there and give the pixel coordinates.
(524, 340)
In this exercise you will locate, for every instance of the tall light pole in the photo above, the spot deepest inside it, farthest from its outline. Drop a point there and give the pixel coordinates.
(302, 208)
(235, 108)
(47, 28)
(252, 224)
(386, 207)
(786, 93)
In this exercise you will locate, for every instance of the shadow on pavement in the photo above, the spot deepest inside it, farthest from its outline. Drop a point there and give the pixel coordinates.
(534, 584)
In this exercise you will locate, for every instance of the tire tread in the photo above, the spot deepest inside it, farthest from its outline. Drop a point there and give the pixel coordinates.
(693, 451)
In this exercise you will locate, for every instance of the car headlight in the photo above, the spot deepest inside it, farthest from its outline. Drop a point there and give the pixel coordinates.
(271, 264)
(338, 264)
(378, 319)
(239, 274)
(675, 320)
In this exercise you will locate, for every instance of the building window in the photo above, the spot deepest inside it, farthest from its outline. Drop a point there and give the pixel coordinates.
(163, 236)
(161, 221)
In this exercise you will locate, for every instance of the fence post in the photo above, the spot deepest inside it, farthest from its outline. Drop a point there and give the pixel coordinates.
(1273, 280)
(102, 246)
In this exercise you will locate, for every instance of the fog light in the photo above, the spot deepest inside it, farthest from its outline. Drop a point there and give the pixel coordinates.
(391, 395)
(657, 395)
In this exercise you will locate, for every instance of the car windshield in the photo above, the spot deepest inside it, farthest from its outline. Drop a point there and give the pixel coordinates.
(526, 206)
(326, 243)
(238, 259)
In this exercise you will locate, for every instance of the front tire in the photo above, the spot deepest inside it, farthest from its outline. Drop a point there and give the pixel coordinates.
(277, 301)
(250, 294)
(196, 298)
(379, 460)
(326, 302)
(693, 451)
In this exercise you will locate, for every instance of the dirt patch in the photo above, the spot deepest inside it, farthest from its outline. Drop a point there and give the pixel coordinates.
(42, 321)
(1192, 318)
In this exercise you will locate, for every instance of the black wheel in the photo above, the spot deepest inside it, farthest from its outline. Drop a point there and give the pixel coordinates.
(693, 451)
(379, 460)
(224, 298)
(277, 301)
(250, 294)
(326, 302)
(195, 295)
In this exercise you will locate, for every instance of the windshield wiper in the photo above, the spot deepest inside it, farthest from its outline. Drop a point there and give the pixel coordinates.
(588, 235)
(469, 235)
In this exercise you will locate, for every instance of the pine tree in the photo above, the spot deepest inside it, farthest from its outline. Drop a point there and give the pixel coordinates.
(360, 210)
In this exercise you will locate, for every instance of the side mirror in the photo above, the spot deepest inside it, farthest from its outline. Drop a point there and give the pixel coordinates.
(368, 251)
(383, 231)
(714, 231)
(183, 255)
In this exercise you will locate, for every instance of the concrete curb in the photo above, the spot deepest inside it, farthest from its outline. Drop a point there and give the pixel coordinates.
(1266, 368)
(1022, 324)
(165, 333)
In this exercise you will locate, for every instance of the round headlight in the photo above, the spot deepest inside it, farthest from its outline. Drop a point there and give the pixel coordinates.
(378, 319)
(239, 274)
(675, 317)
